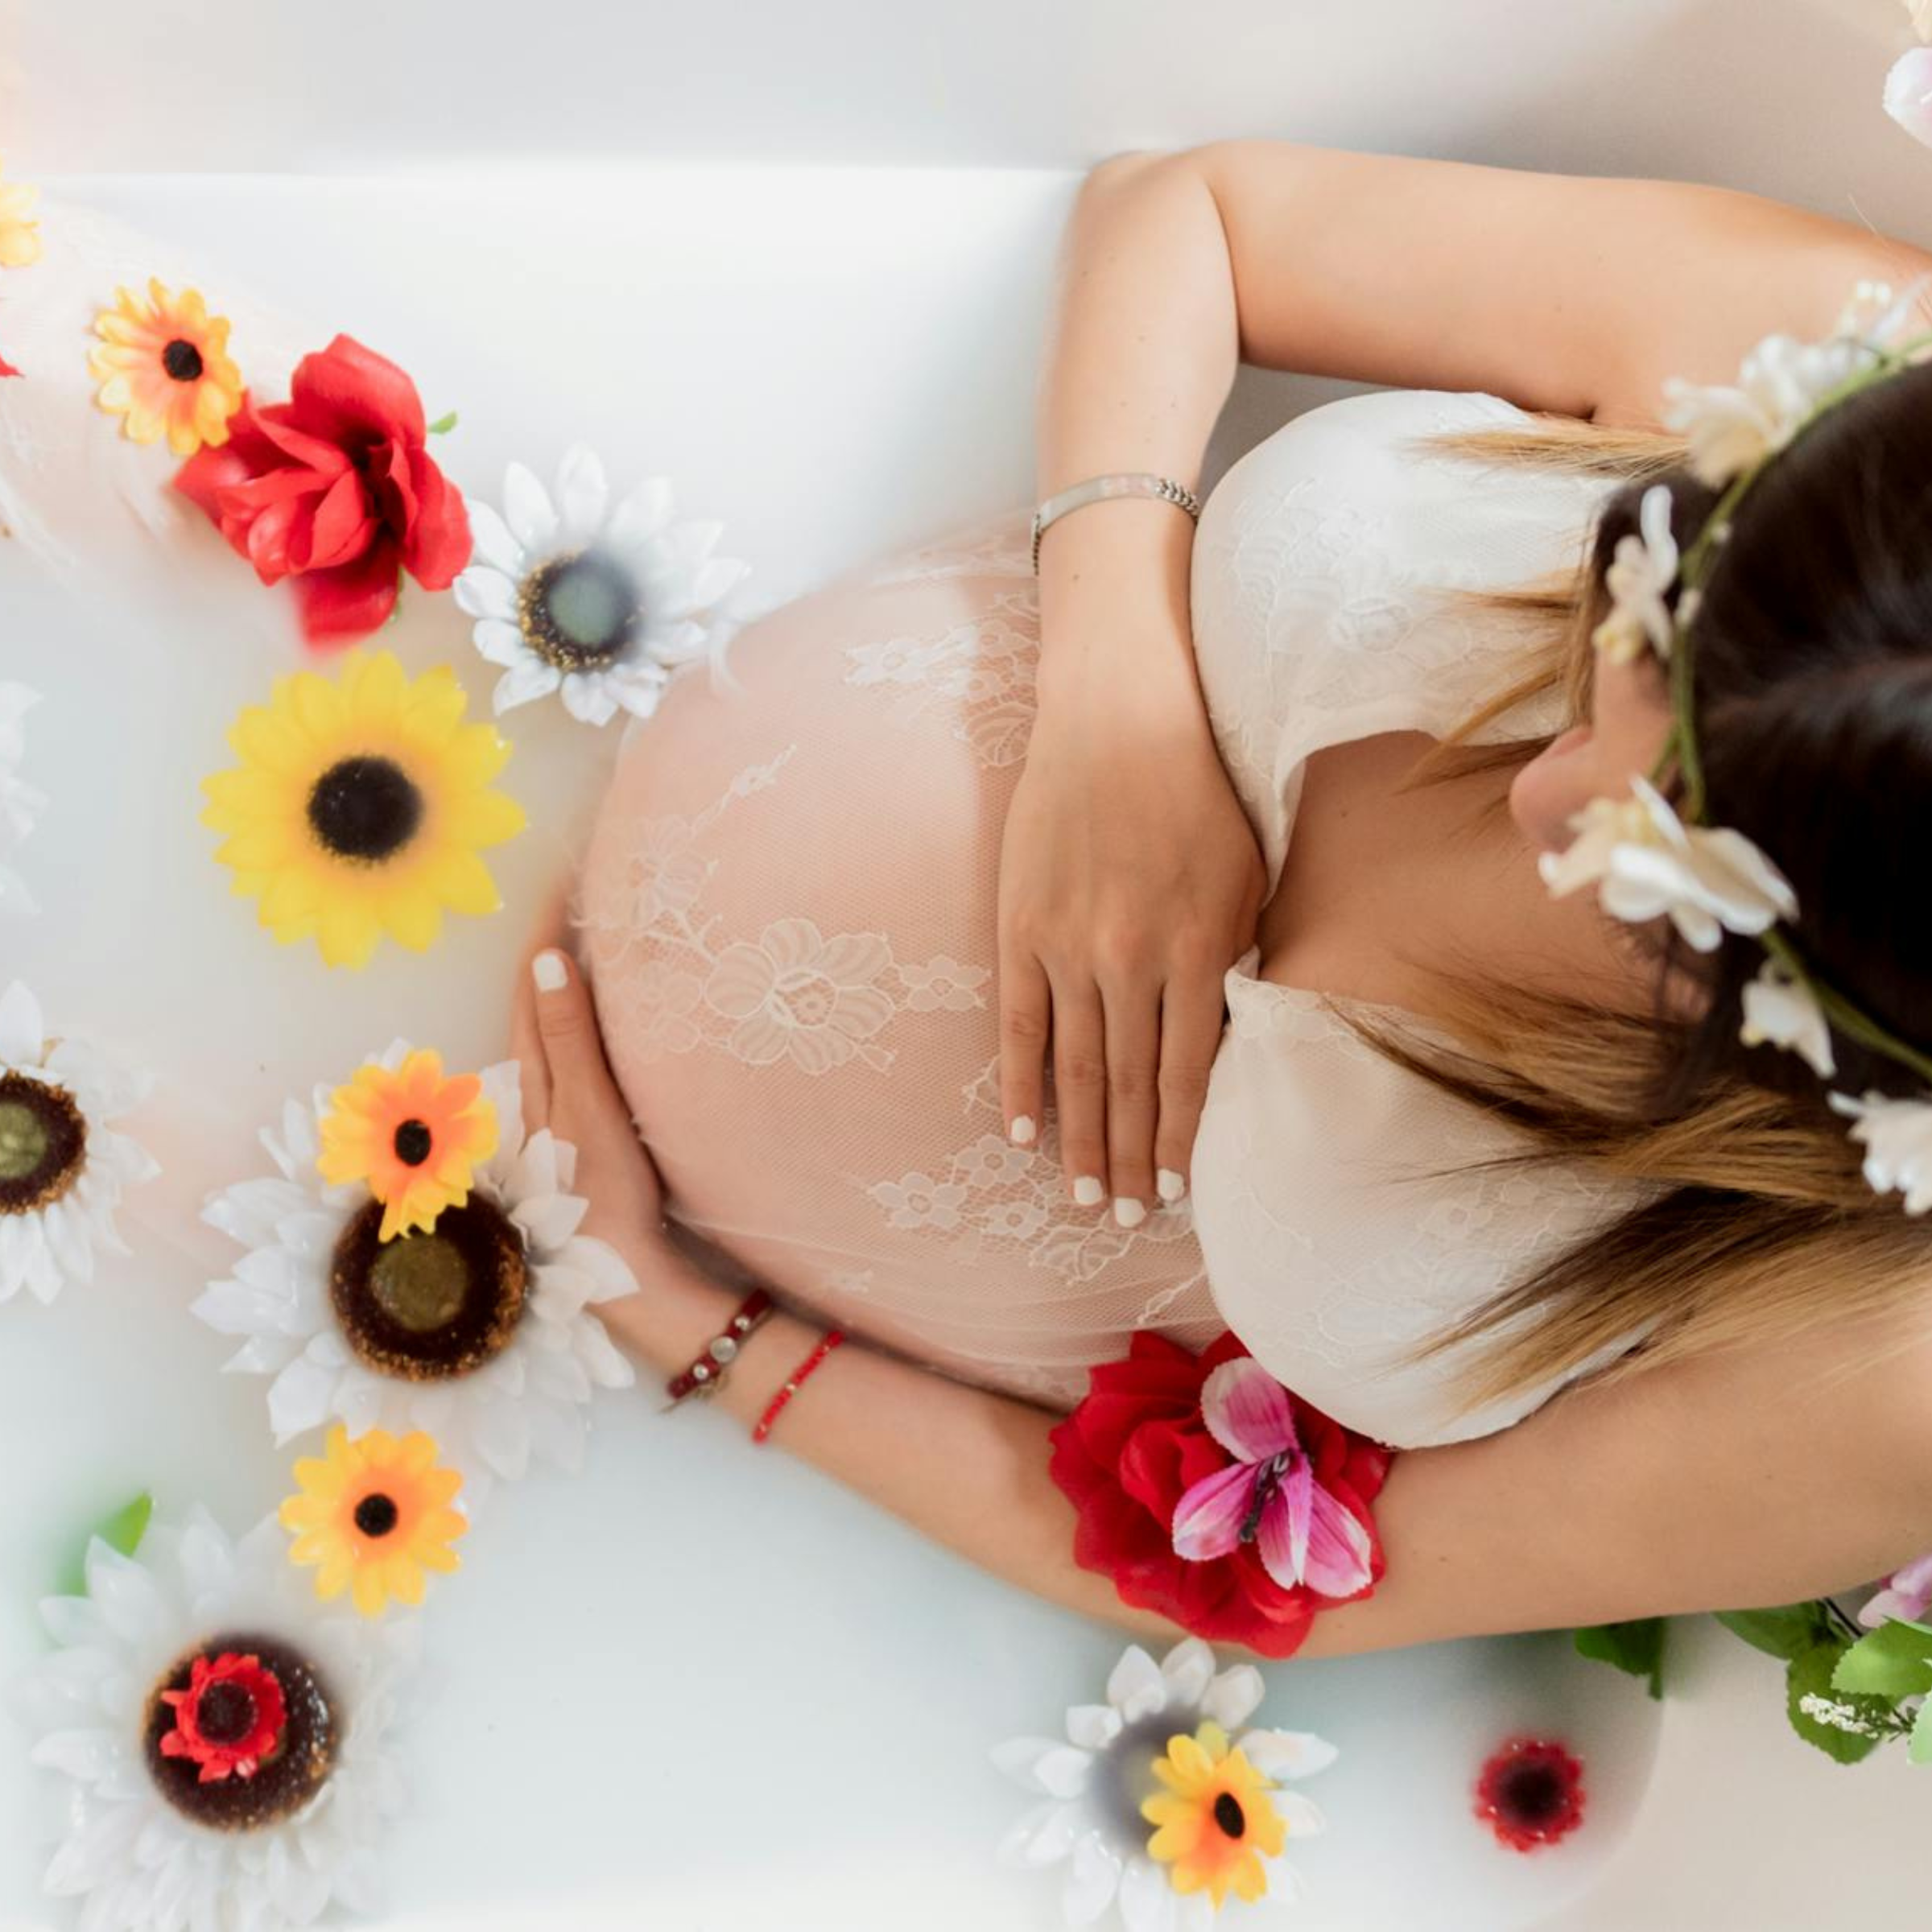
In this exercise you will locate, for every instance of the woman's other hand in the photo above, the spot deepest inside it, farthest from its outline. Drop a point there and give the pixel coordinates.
(1130, 880)
(568, 1088)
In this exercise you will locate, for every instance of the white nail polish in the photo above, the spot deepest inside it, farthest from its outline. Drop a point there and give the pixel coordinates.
(1129, 1211)
(1170, 1184)
(1088, 1191)
(1022, 1130)
(547, 969)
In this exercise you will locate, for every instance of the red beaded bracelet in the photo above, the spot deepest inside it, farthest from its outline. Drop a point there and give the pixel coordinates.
(829, 1342)
(708, 1372)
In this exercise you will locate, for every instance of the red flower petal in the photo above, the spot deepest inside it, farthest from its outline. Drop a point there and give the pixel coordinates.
(228, 1719)
(439, 543)
(351, 599)
(347, 393)
(7, 368)
(1530, 1792)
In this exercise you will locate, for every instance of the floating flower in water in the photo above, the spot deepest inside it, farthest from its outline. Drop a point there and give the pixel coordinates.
(62, 1168)
(360, 806)
(603, 603)
(1530, 1793)
(21, 804)
(164, 366)
(1215, 1820)
(1095, 1787)
(19, 237)
(480, 1332)
(374, 1513)
(413, 1135)
(225, 1741)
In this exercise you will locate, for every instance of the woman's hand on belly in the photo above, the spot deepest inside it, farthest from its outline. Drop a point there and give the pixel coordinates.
(1130, 880)
(568, 1087)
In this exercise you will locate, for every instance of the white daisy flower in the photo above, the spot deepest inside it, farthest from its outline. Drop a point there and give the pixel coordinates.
(479, 1331)
(603, 602)
(223, 1740)
(62, 1167)
(1642, 570)
(1733, 427)
(1782, 1010)
(1092, 1784)
(21, 804)
(1897, 1136)
(1647, 864)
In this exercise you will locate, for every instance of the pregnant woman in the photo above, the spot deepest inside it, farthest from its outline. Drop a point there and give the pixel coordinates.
(1159, 943)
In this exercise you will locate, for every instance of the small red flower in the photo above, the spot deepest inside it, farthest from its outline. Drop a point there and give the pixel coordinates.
(335, 489)
(1138, 1443)
(7, 368)
(229, 1719)
(1530, 1792)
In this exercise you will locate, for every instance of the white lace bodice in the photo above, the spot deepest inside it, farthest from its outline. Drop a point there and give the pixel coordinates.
(1317, 616)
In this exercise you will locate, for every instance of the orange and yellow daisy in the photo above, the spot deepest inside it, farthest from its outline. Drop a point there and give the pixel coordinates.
(1216, 1822)
(359, 806)
(413, 1134)
(19, 237)
(375, 1514)
(163, 365)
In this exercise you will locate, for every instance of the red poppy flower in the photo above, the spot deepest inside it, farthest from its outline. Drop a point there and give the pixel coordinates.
(335, 489)
(229, 1719)
(1530, 1792)
(1138, 1442)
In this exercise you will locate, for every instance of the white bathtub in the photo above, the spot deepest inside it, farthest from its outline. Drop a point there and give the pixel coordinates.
(834, 361)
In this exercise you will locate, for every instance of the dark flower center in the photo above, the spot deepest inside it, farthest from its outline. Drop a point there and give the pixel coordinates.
(376, 1515)
(287, 1777)
(429, 1305)
(577, 612)
(182, 360)
(365, 809)
(413, 1143)
(43, 1143)
(1532, 1794)
(1227, 1814)
(226, 1713)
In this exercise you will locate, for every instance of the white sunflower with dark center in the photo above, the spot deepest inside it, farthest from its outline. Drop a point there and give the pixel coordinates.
(223, 1740)
(21, 804)
(599, 601)
(1090, 1784)
(479, 1330)
(63, 1169)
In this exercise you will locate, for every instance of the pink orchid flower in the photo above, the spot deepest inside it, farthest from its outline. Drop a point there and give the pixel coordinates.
(1269, 1494)
(1907, 1594)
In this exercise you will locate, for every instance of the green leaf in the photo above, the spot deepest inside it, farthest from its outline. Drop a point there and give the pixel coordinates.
(1919, 1750)
(1810, 1675)
(1787, 1632)
(444, 425)
(1637, 1647)
(1894, 1661)
(122, 1531)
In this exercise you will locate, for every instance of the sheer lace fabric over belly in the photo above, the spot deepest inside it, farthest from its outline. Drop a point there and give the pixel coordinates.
(788, 910)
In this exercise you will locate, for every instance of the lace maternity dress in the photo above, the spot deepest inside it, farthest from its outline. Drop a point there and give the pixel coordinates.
(788, 913)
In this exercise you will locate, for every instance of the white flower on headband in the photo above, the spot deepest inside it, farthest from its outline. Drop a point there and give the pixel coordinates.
(1648, 864)
(1781, 1009)
(1897, 1135)
(1732, 428)
(1642, 570)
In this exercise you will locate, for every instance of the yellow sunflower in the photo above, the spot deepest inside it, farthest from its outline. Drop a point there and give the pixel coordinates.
(19, 237)
(163, 364)
(1217, 1820)
(375, 1514)
(360, 806)
(412, 1134)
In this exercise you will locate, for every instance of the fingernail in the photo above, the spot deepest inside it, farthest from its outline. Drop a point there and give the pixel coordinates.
(1170, 1185)
(1088, 1191)
(1022, 1129)
(1129, 1211)
(548, 970)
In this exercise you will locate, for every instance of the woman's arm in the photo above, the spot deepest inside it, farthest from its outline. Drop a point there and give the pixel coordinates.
(1763, 1476)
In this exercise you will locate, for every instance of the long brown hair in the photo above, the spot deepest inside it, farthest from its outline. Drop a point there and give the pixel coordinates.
(1813, 704)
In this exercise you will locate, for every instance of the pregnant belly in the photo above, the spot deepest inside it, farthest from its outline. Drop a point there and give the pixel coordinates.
(788, 912)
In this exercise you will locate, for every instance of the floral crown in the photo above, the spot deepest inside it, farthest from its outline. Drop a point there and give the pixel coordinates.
(1647, 860)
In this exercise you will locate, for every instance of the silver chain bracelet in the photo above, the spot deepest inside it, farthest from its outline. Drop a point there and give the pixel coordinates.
(1119, 483)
